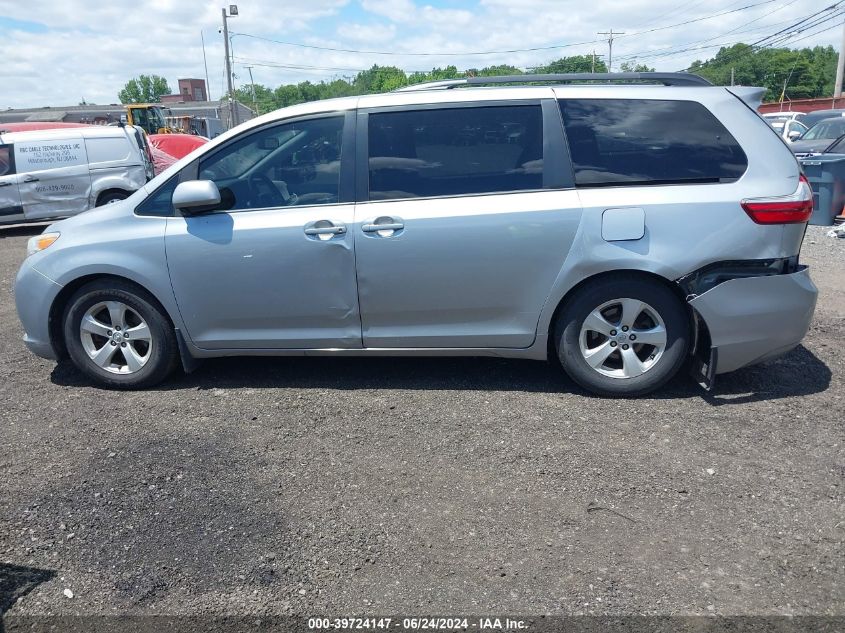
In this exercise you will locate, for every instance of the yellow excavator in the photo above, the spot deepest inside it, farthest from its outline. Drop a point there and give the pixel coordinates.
(149, 116)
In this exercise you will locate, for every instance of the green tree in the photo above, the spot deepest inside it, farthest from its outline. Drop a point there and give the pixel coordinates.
(573, 64)
(144, 89)
(634, 67)
(494, 71)
(264, 99)
(380, 79)
(807, 72)
(795, 74)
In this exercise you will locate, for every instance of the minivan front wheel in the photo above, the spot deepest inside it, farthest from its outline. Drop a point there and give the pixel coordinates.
(117, 335)
(622, 336)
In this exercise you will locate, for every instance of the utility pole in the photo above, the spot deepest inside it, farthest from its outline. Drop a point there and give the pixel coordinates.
(205, 63)
(252, 84)
(233, 115)
(840, 67)
(732, 76)
(610, 35)
(593, 68)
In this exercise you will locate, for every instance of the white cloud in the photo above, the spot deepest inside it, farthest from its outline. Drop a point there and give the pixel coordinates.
(396, 10)
(90, 50)
(367, 33)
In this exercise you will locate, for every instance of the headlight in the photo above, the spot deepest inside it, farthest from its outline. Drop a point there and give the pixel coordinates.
(40, 242)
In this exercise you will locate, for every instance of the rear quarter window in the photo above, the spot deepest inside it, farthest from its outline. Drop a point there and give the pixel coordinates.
(648, 142)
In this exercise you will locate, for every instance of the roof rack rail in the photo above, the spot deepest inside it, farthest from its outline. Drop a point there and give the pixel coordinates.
(667, 79)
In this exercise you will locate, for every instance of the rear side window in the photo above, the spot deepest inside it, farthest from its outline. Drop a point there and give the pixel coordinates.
(648, 142)
(455, 151)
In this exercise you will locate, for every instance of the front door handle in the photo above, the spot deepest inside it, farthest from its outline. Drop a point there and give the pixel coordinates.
(324, 229)
(31, 179)
(5, 184)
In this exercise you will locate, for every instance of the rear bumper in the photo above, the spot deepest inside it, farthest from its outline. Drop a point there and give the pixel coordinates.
(34, 294)
(757, 318)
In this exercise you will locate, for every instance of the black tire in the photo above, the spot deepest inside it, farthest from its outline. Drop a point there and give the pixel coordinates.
(111, 196)
(162, 351)
(606, 290)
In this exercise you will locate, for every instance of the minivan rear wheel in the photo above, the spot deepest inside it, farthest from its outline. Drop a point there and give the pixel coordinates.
(117, 335)
(622, 336)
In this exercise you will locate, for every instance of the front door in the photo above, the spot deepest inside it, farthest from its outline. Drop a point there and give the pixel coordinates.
(10, 197)
(55, 180)
(463, 236)
(275, 267)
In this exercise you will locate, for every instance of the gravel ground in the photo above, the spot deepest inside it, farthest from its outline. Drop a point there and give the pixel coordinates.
(336, 486)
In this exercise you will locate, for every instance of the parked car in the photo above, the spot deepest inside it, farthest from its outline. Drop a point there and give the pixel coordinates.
(811, 118)
(783, 116)
(818, 137)
(836, 147)
(56, 173)
(789, 129)
(624, 230)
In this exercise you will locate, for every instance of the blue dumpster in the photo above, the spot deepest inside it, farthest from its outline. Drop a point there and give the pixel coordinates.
(826, 173)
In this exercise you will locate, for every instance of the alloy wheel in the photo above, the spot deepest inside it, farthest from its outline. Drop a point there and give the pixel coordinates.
(623, 338)
(115, 337)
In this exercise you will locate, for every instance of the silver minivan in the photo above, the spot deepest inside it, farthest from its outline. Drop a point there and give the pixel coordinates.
(48, 174)
(627, 230)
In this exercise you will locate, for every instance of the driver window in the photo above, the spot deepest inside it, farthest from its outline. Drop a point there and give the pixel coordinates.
(292, 164)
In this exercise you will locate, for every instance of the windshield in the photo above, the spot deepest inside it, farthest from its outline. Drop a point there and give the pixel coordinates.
(157, 118)
(826, 129)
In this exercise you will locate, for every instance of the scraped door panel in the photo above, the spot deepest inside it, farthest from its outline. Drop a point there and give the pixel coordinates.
(254, 280)
(276, 270)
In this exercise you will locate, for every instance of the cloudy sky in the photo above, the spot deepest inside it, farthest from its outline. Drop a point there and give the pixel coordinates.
(57, 52)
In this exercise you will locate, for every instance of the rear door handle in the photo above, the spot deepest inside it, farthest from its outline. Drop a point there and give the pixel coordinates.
(6, 184)
(384, 226)
(372, 228)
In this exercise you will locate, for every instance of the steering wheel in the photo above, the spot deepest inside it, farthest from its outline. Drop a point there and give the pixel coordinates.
(264, 191)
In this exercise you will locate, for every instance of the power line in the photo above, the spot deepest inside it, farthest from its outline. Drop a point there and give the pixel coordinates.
(496, 52)
(701, 19)
(395, 54)
(799, 22)
(678, 49)
(788, 34)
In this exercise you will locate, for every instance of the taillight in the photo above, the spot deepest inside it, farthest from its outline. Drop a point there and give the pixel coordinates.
(792, 209)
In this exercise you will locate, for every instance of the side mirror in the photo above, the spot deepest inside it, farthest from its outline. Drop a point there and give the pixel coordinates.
(793, 135)
(196, 196)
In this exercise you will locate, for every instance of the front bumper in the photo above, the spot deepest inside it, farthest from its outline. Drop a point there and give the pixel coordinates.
(753, 319)
(34, 294)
